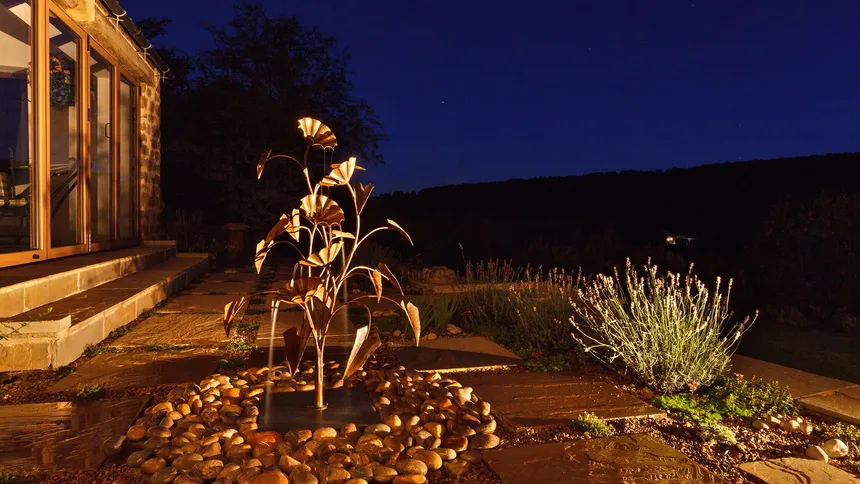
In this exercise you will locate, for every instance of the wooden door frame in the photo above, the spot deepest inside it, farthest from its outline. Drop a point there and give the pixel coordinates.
(82, 76)
(124, 76)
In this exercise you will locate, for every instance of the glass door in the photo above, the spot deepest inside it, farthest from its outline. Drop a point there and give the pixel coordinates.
(19, 226)
(65, 187)
(101, 149)
(127, 166)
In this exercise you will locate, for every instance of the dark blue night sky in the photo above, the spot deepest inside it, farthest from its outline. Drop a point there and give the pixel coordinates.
(485, 90)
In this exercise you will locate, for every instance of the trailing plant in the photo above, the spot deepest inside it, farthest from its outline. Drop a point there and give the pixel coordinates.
(539, 363)
(666, 331)
(591, 424)
(89, 392)
(327, 254)
(689, 408)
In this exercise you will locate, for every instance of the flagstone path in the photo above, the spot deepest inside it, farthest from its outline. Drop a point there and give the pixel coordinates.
(794, 470)
(537, 399)
(827, 396)
(204, 330)
(456, 354)
(624, 459)
(50, 436)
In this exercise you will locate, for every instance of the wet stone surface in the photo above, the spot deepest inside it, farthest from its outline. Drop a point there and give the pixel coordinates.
(62, 435)
(141, 369)
(284, 411)
(625, 459)
(535, 399)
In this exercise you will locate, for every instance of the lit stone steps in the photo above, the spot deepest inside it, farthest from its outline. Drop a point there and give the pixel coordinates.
(23, 288)
(57, 333)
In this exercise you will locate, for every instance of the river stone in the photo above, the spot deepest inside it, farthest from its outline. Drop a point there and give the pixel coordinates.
(230, 471)
(188, 479)
(472, 456)
(835, 449)
(138, 458)
(271, 477)
(164, 476)
(410, 479)
(817, 453)
(457, 467)
(431, 459)
(361, 472)
(337, 475)
(384, 474)
(324, 433)
(248, 476)
(380, 430)
(208, 469)
(411, 466)
(136, 433)
(151, 466)
(445, 453)
(356, 481)
(484, 441)
(303, 477)
(113, 445)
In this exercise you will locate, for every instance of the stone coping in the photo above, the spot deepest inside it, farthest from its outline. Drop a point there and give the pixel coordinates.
(455, 354)
(59, 333)
(23, 288)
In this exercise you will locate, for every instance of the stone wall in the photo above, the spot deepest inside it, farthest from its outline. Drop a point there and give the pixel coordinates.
(151, 205)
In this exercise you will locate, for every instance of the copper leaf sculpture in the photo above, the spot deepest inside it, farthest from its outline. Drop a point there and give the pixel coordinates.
(328, 253)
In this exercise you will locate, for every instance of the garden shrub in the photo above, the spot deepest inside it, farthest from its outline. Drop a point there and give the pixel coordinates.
(848, 433)
(666, 331)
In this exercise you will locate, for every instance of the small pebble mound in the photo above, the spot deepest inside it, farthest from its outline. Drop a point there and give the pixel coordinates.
(430, 426)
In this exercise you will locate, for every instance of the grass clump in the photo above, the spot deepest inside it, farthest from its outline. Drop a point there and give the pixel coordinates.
(237, 347)
(666, 331)
(162, 347)
(94, 350)
(89, 392)
(247, 326)
(591, 424)
(740, 397)
(718, 433)
(63, 372)
(119, 332)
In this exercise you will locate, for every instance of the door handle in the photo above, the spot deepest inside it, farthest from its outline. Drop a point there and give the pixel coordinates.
(107, 130)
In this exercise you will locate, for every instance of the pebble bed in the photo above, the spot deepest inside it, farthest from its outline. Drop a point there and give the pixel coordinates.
(432, 429)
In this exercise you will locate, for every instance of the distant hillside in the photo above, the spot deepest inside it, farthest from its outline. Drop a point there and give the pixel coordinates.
(722, 205)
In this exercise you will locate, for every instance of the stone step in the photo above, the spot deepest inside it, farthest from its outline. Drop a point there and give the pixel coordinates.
(23, 288)
(56, 334)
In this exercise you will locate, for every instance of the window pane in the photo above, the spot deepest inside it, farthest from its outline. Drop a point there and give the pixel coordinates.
(101, 149)
(127, 213)
(17, 168)
(66, 206)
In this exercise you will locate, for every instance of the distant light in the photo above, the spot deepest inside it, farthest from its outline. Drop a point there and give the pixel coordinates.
(670, 240)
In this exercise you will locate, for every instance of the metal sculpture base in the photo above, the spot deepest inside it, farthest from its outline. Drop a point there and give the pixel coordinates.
(286, 411)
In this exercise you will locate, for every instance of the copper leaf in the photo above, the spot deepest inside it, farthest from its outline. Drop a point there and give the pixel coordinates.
(231, 310)
(414, 319)
(362, 193)
(398, 228)
(390, 276)
(317, 134)
(376, 277)
(322, 209)
(324, 257)
(366, 342)
(340, 174)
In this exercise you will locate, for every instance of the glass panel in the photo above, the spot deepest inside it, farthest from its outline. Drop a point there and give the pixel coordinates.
(17, 168)
(101, 149)
(127, 199)
(66, 206)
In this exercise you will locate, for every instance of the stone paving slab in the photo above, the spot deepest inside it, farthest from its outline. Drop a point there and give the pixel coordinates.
(60, 435)
(537, 399)
(799, 383)
(794, 470)
(213, 287)
(843, 404)
(452, 354)
(197, 303)
(178, 329)
(610, 460)
(141, 369)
